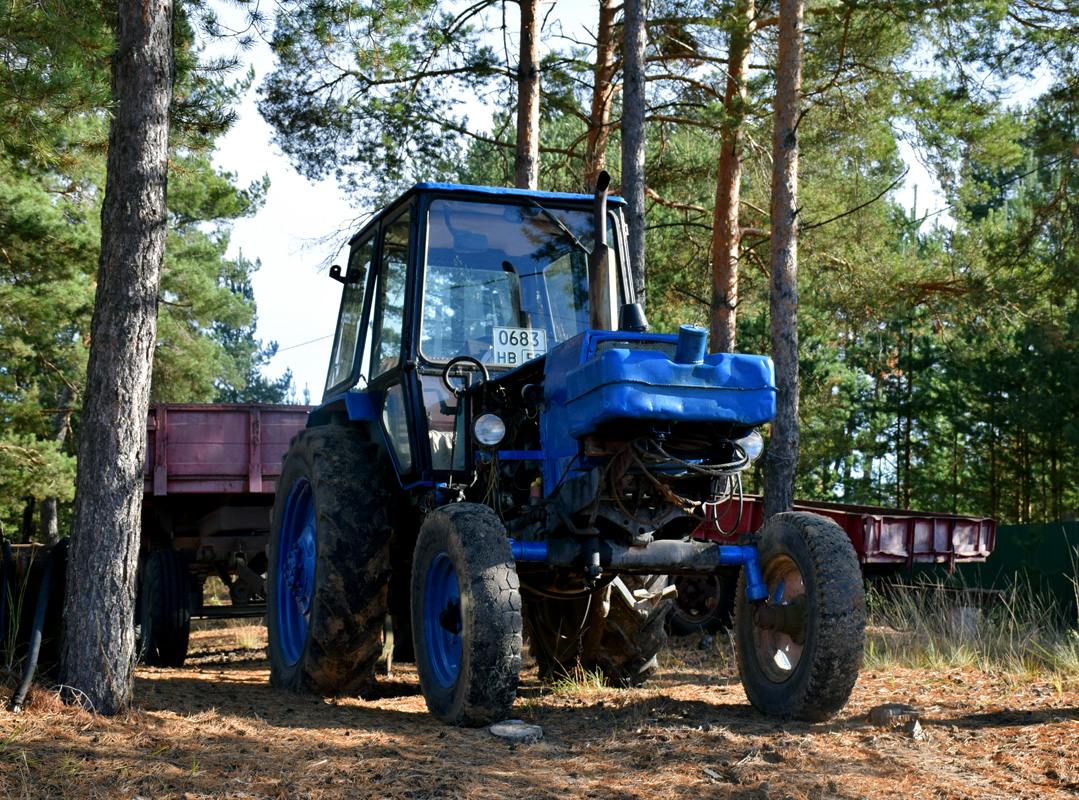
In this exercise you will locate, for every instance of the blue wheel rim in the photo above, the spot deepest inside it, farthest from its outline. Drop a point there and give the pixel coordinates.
(295, 574)
(442, 620)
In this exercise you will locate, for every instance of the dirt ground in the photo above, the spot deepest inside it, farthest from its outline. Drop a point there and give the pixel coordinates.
(215, 729)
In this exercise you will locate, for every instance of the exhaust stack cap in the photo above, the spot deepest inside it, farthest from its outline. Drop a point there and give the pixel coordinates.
(631, 318)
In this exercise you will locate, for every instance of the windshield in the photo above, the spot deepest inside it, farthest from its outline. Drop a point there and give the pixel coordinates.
(504, 283)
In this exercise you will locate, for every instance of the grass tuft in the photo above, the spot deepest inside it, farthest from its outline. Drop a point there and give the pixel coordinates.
(946, 626)
(580, 683)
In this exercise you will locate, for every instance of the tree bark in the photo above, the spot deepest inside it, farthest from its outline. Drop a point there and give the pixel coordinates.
(526, 159)
(599, 132)
(98, 645)
(782, 457)
(726, 229)
(633, 137)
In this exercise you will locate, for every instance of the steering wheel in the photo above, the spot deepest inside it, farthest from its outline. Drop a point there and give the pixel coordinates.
(454, 390)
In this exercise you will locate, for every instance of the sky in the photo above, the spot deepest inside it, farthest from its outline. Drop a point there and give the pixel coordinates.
(297, 301)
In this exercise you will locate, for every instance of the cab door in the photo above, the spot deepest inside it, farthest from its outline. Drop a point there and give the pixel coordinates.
(391, 374)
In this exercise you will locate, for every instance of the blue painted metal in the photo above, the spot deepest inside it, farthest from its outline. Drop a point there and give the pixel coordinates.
(746, 557)
(520, 455)
(294, 579)
(529, 551)
(361, 407)
(442, 620)
(692, 344)
(584, 390)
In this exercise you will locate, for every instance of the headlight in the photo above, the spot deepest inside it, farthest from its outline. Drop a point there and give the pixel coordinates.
(488, 431)
(753, 445)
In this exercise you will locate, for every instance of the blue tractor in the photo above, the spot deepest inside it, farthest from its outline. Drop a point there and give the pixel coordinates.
(495, 461)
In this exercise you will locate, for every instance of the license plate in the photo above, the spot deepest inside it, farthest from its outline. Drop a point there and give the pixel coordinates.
(515, 346)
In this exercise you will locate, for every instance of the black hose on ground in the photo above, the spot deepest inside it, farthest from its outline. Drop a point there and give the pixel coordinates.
(59, 552)
(7, 575)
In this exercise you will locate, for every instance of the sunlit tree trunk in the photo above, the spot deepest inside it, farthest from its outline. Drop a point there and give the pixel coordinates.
(726, 229)
(526, 160)
(633, 136)
(782, 456)
(602, 95)
(98, 646)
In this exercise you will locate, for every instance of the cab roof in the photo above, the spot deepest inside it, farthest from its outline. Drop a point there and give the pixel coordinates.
(432, 187)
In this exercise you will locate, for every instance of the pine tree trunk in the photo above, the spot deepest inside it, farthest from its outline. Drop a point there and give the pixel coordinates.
(98, 645)
(633, 137)
(783, 445)
(599, 130)
(726, 230)
(526, 160)
(908, 421)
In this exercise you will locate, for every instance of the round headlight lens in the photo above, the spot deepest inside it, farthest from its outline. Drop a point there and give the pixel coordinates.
(753, 445)
(488, 431)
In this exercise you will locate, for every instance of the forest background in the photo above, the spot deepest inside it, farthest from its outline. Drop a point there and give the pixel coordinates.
(938, 361)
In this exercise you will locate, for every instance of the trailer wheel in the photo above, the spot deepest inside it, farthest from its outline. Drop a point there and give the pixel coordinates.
(627, 629)
(328, 573)
(705, 604)
(805, 666)
(164, 609)
(466, 616)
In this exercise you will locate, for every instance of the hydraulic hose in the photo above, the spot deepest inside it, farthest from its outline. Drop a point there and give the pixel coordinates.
(6, 577)
(59, 552)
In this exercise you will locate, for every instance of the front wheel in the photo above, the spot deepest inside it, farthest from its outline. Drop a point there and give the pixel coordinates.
(799, 651)
(466, 616)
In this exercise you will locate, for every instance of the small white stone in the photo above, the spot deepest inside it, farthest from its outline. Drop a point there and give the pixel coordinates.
(517, 730)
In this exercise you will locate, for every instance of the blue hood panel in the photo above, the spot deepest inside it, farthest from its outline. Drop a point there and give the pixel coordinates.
(634, 378)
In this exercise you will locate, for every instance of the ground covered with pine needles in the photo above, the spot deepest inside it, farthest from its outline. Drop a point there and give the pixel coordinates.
(215, 729)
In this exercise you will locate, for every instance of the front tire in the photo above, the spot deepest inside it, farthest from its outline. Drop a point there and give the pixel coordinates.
(808, 669)
(328, 574)
(466, 616)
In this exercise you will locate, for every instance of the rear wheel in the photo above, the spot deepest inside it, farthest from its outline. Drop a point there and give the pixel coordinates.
(164, 609)
(627, 629)
(804, 661)
(328, 574)
(618, 631)
(556, 628)
(466, 616)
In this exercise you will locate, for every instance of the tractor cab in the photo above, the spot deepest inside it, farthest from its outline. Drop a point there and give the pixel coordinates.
(462, 281)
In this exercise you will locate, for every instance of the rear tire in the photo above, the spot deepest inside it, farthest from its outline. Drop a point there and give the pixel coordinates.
(466, 616)
(556, 628)
(618, 631)
(810, 568)
(328, 574)
(628, 629)
(164, 609)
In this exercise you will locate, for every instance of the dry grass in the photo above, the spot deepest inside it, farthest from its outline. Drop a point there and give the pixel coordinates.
(215, 729)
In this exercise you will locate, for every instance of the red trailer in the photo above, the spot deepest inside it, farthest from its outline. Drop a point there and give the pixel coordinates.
(210, 479)
(886, 541)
